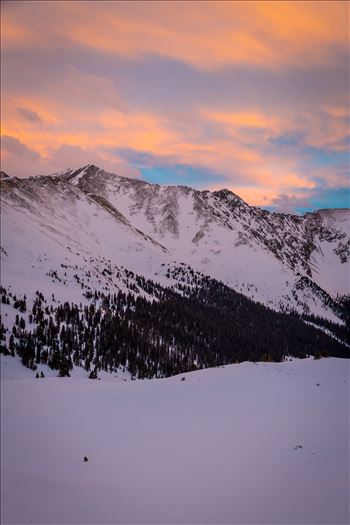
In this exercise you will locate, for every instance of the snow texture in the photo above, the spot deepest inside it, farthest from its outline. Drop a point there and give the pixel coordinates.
(249, 443)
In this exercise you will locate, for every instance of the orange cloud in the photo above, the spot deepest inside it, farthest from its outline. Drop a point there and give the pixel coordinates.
(14, 34)
(337, 111)
(327, 128)
(242, 119)
(255, 195)
(101, 132)
(137, 130)
(206, 35)
(82, 116)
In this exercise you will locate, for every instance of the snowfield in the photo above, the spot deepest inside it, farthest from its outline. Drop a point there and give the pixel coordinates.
(258, 443)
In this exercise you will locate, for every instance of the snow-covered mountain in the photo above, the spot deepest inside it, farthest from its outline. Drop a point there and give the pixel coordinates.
(72, 245)
(83, 228)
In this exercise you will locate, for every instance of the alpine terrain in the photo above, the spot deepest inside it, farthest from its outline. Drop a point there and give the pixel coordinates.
(187, 310)
(112, 273)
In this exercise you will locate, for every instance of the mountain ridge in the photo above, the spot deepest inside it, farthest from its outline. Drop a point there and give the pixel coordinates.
(110, 273)
(259, 253)
(70, 173)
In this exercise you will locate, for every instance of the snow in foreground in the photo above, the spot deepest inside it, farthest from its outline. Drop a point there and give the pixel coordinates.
(248, 443)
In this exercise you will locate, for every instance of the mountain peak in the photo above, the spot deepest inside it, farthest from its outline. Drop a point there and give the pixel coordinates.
(4, 175)
(73, 175)
(89, 169)
(227, 195)
(92, 166)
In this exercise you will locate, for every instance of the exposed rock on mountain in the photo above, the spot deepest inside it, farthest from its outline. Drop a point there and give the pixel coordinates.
(87, 218)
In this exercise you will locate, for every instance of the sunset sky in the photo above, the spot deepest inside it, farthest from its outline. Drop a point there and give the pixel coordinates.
(251, 96)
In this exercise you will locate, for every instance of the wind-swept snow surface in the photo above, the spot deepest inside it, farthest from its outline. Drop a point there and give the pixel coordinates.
(248, 443)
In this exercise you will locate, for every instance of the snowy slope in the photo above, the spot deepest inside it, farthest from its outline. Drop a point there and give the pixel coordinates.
(221, 235)
(179, 215)
(87, 218)
(47, 223)
(248, 443)
(332, 272)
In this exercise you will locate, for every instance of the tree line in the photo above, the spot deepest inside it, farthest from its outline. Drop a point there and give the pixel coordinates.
(202, 323)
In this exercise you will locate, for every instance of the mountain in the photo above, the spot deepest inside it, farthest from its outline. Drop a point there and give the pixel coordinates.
(87, 218)
(109, 273)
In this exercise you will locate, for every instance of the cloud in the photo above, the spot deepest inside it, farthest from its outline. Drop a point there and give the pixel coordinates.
(21, 161)
(250, 94)
(247, 149)
(17, 159)
(205, 35)
(13, 146)
(67, 155)
(29, 115)
(288, 203)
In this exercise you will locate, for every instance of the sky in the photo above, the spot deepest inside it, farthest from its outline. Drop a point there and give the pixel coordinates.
(249, 96)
